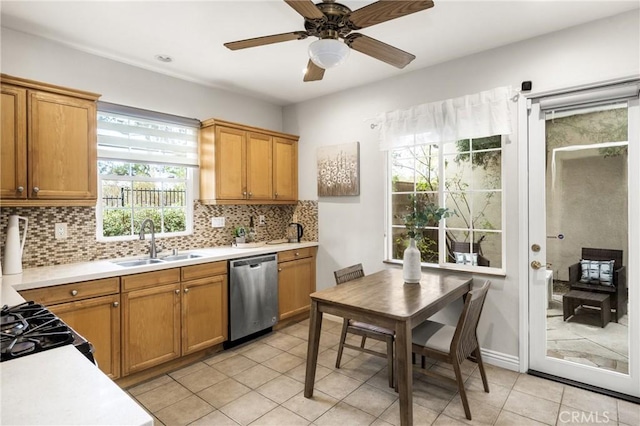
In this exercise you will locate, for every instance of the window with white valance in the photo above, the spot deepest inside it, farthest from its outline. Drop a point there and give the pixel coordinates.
(449, 153)
(472, 116)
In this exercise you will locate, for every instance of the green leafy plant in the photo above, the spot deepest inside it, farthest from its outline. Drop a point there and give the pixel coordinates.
(240, 231)
(422, 213)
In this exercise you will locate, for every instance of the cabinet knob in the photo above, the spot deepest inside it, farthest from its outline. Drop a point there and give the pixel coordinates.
(276, 195)
(36, 189)
(177, 291)
(74, 292)
(21, 189)
(250, 194)
(244, 193)
(186, 290)
(297, 254)
(279, 269)
(116, 304)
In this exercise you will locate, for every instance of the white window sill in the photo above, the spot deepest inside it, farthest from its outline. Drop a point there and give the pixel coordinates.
(483, 270)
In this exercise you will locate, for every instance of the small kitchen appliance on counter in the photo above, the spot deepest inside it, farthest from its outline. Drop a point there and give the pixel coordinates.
(29, 328)
(12, 260)
(294, 232)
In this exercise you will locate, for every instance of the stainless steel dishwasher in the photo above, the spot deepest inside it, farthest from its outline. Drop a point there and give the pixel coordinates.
(253, 295)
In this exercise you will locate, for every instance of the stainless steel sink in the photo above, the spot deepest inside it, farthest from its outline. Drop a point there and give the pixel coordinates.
(139, 262)
(185, 256)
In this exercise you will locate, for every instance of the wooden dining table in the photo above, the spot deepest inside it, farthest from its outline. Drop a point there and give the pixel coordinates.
(384, 299)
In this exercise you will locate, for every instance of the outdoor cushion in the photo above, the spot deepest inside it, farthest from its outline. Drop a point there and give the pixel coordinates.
(597, 271)
(466, 258)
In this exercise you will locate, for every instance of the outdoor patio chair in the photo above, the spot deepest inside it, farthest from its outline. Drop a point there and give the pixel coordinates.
(615, 285)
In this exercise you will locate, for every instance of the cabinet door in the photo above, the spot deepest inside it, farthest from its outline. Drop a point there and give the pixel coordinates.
(13, 145)
(285, 169)
(61, 147)
(98, 321)
(295, 282)
(150, 327)
(259, 167)
(230, 163)
(204, 313)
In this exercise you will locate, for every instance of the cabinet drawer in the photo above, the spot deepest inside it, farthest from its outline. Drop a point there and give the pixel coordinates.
(71, 292)
(204, 270)
(150, 279)
(285, 256)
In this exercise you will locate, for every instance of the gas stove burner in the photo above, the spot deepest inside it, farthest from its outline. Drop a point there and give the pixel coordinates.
(29, 328)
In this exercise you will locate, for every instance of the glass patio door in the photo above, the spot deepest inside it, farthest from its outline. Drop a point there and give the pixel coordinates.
(584, 185)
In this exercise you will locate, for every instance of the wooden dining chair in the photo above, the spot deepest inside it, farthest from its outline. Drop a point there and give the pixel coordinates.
(453, 345)
(363, 329)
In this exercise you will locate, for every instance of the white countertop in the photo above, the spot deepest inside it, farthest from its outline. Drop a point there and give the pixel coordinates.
(60, 386)
(85, 271)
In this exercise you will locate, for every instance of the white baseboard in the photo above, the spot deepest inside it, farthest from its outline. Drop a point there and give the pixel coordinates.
(509, 362)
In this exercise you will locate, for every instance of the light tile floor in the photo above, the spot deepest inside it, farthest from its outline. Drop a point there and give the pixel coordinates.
(261, 383)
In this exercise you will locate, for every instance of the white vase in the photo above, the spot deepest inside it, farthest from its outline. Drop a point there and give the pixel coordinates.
(411, 270)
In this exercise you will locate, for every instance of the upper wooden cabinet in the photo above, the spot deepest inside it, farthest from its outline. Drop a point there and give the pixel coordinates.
(247, 165)
(48, 145)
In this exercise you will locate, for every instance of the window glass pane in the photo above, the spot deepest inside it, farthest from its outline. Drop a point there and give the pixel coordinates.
(457, 172)
(459, 204)
(490, 247)
(174, 220)
(140, 215)
(106, 167)
(402, 173)
(174, 194)
(116, 222)
(400, 205)
(486, 143)
(115, 193)
(140, 169)
(487, 170)
(427, 176)
(487, 210)
(145, 194)
(399, 242)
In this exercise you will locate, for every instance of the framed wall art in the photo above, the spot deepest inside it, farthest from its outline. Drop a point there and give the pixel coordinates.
(339, 170)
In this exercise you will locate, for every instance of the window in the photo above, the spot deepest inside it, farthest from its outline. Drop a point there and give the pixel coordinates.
(145, 162)
(465, 177)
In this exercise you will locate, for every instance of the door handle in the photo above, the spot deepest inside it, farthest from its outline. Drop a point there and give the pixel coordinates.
(536, 265)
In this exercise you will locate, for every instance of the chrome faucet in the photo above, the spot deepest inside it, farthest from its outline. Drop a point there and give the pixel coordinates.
(152, 245)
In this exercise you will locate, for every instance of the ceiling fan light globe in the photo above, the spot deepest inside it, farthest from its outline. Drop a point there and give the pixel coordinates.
(328, 53)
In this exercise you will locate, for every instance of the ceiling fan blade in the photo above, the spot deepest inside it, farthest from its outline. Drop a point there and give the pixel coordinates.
(379, 50)
(261, 41)
(385, 10)
(306, 8)
(314, 72)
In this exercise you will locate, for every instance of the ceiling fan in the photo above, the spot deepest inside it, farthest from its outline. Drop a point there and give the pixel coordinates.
(331, 21)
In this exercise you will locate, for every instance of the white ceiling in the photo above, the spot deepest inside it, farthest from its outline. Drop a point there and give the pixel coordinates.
(193, 33)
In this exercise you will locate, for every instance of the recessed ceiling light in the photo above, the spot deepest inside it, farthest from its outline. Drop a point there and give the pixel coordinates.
(164, 58)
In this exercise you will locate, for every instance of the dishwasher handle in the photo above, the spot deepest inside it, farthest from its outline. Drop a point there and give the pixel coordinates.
(252, 261)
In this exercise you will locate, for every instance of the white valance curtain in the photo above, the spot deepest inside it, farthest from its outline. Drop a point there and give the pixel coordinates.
(472, 116)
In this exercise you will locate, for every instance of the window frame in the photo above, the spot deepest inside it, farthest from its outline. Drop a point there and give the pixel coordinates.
(189, 199)
(443, 262)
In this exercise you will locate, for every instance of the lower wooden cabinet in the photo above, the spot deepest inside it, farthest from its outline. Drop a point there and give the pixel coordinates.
(92, 308)
(170, 313)
(204, 313)
(98, 321)
(296, 281)
(150, 327)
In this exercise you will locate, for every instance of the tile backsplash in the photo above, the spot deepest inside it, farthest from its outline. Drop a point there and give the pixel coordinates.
(42, 249)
